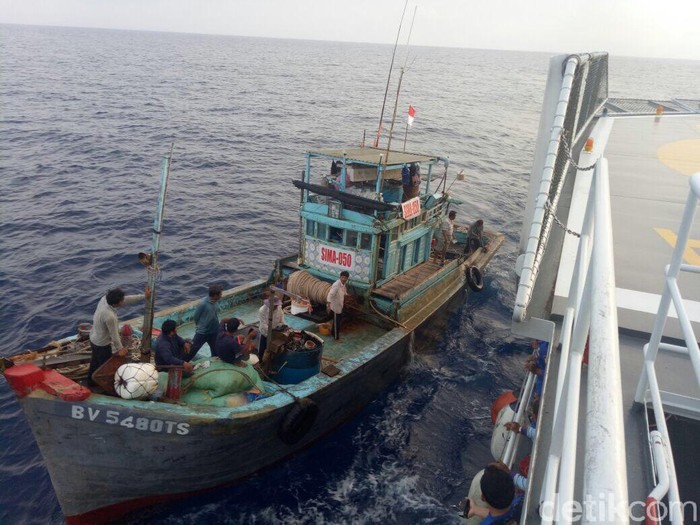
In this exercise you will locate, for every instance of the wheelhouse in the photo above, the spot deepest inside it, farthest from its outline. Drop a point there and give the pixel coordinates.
(369, 211)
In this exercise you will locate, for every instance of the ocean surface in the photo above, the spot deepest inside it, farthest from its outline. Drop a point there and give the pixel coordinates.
(85, 118)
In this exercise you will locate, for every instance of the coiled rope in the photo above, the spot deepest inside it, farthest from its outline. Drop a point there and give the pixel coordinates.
(306, 285)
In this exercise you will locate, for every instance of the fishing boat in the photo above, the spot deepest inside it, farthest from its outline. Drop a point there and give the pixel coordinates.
(609, 283)
(109, 455)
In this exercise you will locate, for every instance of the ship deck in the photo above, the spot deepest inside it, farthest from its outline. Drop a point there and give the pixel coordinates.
(650, 160)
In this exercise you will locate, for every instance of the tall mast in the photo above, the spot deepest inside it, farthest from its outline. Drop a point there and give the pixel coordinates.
(398, 92)
(388, 79)
(152, 267)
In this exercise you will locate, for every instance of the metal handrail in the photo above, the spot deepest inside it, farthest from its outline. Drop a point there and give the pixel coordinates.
(591, 309)
(648, 380)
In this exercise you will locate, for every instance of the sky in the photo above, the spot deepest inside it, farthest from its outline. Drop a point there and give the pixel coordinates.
(644, 28)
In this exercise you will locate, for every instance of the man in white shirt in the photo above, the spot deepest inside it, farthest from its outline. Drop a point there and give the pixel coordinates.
(446, 236)
(335, 301)
(105, 328)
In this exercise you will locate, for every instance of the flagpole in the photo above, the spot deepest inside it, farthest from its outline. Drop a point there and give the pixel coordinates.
(405, 136)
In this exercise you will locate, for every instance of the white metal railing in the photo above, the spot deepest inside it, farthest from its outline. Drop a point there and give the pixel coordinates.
(591, 313)
(582, 93)
(648, 381)
(539, 227)
(513, 438)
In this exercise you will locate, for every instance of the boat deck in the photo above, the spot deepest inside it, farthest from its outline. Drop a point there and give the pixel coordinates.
(419, 274)
(650, 160)
(356, 334)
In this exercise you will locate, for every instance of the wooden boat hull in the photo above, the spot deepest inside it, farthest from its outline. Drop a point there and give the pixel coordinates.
(107, 458)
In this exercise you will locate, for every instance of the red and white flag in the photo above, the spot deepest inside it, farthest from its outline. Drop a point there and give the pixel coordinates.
(411, 115)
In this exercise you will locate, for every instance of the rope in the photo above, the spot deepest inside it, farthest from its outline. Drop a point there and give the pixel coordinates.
(380, 314)
(283, 389)
(304, 284)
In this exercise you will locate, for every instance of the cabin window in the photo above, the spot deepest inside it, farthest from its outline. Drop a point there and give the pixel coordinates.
(310, 226)
(321, 231)
(416, 251)
(336, 235)
(365, 241)
(404, 263)
(351, 238)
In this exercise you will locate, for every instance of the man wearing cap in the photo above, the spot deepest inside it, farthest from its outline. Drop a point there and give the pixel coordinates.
(206, 317)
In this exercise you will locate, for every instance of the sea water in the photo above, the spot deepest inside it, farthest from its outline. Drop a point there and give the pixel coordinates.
(86, 116)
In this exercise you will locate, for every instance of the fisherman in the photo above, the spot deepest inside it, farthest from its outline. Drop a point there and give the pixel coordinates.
(264, 316)
(476, 238)
(411, 185)
(498, 493)
(206, 318)
(171, 348)
(104, 336)
(446, 236)
(406, 182)
(231, 348)
(336, 300)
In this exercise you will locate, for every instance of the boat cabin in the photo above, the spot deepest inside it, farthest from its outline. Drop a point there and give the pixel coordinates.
(369, 211)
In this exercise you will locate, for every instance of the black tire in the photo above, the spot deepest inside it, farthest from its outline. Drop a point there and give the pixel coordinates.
(298, 421)
(475, 280)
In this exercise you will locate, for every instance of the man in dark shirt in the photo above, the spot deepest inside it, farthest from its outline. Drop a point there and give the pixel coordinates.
(207, 323)
(232, 348)
(170, 347)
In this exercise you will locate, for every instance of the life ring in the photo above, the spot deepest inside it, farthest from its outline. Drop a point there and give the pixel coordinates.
(506, 398)
(474, 279)
(500, 434)
(298, 421)
(475, 496)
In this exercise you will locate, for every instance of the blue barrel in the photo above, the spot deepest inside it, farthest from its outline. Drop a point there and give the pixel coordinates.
(295, 367)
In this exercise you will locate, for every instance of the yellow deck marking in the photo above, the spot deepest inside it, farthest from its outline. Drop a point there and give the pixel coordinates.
(682, 156)
(690, 255)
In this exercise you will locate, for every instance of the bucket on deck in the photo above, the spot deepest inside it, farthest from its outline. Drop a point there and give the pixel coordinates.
(84, 331)
(300, 307)
(324, 328)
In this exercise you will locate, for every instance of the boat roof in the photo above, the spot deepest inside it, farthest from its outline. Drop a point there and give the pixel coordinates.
(373, 156)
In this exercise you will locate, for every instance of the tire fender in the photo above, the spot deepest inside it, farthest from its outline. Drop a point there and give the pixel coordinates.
(475, 281)
(298, 421)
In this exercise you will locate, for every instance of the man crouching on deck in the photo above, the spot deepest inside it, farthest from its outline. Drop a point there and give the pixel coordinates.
(105, 328)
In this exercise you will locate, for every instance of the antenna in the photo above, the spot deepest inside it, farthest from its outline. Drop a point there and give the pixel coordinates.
(398, 91)
(388, 79)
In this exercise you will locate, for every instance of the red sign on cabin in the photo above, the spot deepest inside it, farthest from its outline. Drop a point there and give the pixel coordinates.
(340, 258)
(411, 208)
